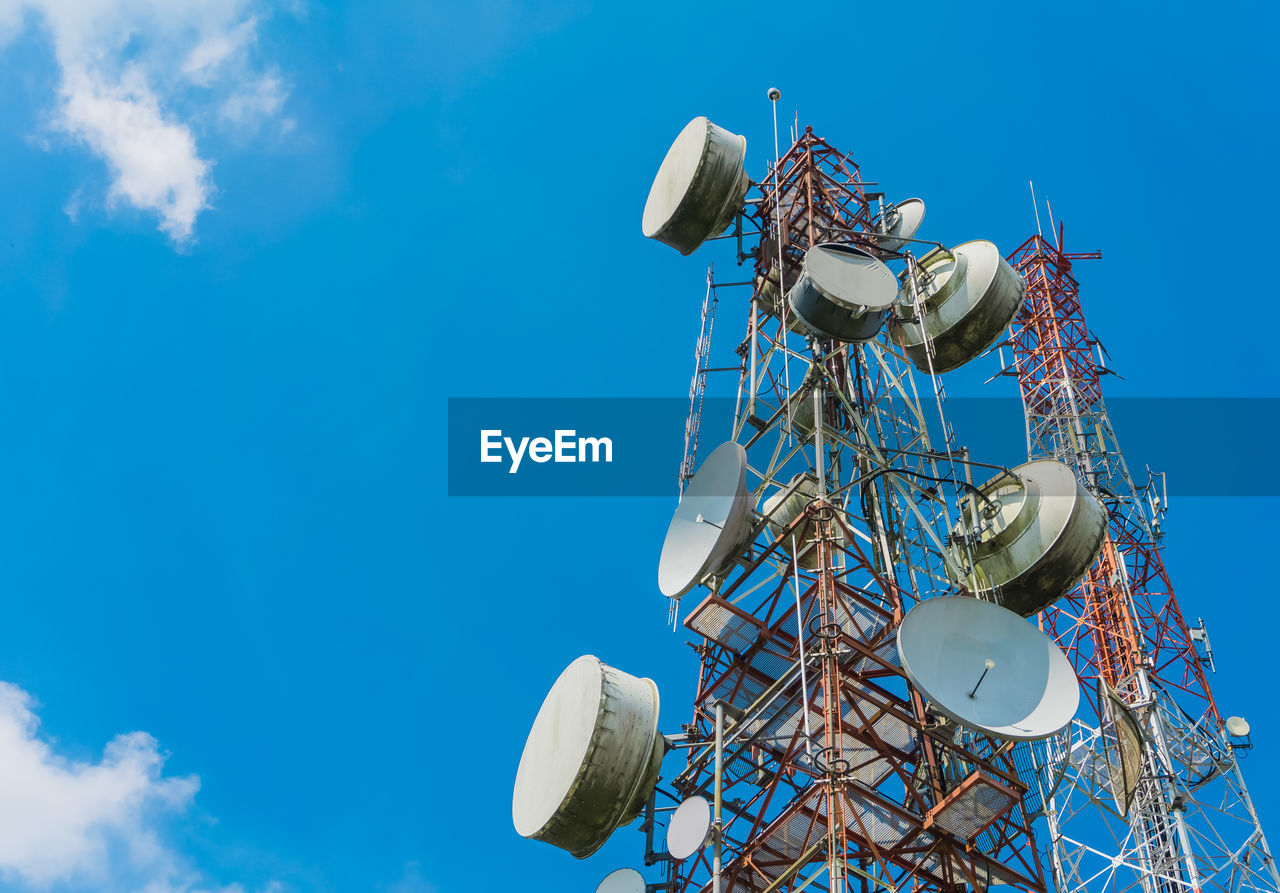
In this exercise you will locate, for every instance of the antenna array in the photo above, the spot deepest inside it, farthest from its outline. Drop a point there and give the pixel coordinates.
(874, 707)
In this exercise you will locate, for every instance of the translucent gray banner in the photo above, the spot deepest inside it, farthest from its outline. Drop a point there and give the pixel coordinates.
(1206, 446)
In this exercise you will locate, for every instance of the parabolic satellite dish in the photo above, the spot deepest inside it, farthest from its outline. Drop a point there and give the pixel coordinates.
(1040, 531)
(987, 668)
(969, 296)
(843, 292)
(688, 829)
(700, 186)
(902, 221)
(711, 523)
(591, 760)
(1237, 726)
(1124, 760)
(624, 880)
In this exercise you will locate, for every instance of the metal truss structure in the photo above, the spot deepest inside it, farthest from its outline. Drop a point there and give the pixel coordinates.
(1147, 793)
(836, 775)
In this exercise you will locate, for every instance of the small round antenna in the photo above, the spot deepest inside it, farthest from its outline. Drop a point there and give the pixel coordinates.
(774, 94)
(1025, 687)
(624, 880)
(711, 523)
(1238, 726)
(902, 221)
(690, 824)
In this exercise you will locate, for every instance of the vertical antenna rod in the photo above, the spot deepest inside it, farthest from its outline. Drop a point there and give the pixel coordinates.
(774, 95)
(1035, 206)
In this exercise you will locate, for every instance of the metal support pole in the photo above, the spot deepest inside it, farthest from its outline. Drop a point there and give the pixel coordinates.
(819, 459)
(648, 829)
(716, 824)
(751, 375)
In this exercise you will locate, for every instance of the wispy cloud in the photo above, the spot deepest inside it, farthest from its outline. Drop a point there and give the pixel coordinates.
(412, 880)
(93, 825)
(136, 74)
(216, 51)
(256, 102)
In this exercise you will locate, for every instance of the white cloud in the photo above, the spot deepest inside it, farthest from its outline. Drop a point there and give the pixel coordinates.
(214, 52)
(10, 20)
(260, 100)
(153, 161)
(135, 76)
(94, 825)
(412, 881)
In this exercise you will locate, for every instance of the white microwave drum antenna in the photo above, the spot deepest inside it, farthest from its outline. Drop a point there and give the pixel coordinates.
(771, 298)
(770, 295)
(624, 880)
(700, 187)
(843, 292)
(1040, 530)
(969, 296)
(688, 829)
(801, 412)
(790, 502)
(711, 524)
(901, 222)
(591, 759)
(987, 668)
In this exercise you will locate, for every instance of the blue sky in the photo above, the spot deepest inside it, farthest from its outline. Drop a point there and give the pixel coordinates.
(247, 251)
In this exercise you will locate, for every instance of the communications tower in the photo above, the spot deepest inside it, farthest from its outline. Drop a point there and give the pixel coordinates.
(1168, 810)
(916, 670)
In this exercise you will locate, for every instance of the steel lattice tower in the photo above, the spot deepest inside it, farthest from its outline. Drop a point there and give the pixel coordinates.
(831, 769)
(1190, 824)
(837, 777)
